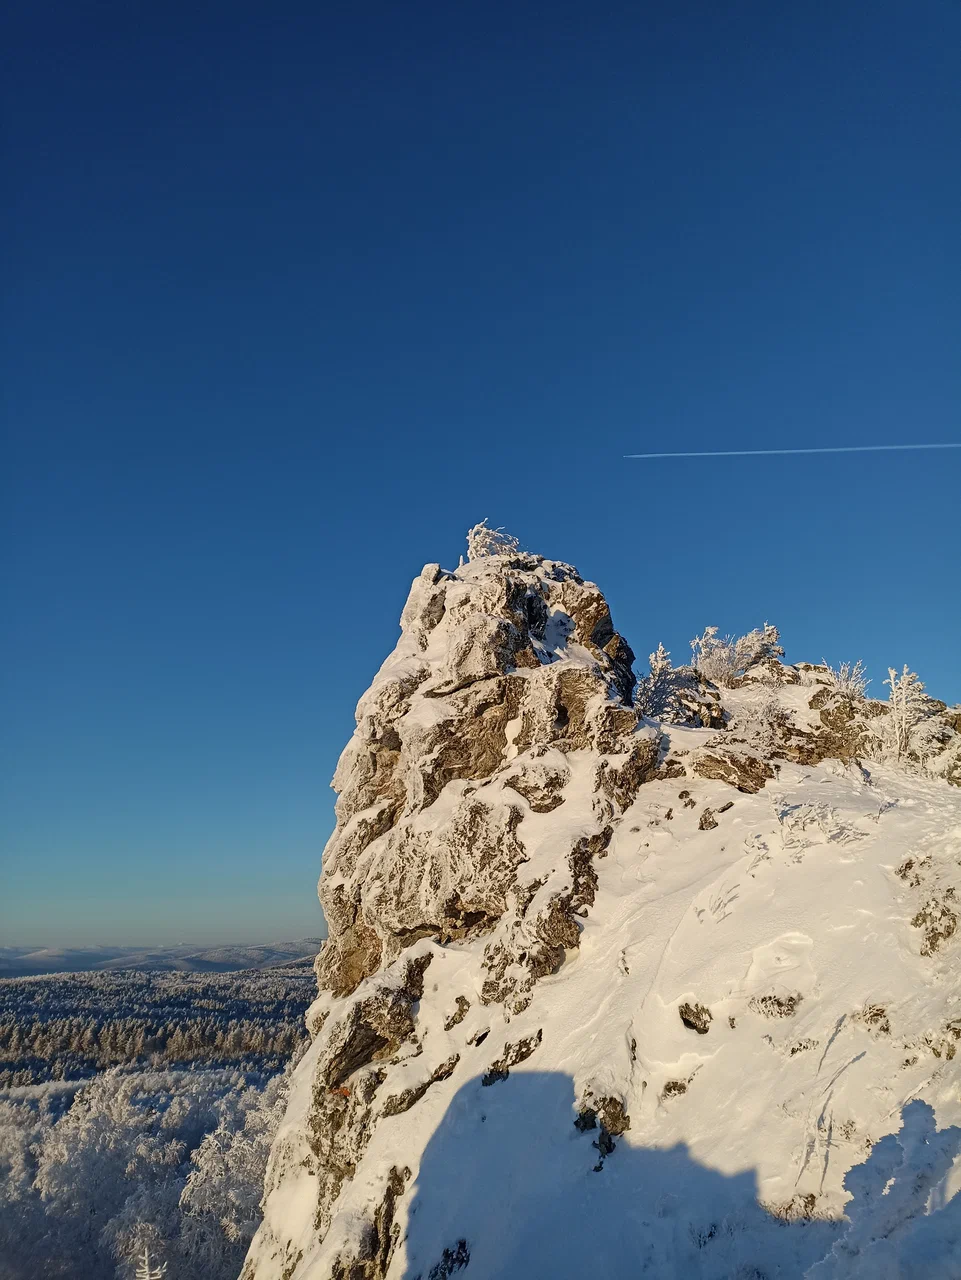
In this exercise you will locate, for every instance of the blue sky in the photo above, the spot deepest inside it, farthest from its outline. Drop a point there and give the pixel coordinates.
(298, 292)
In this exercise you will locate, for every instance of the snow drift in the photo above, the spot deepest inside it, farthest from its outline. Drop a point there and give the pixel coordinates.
(613, 994)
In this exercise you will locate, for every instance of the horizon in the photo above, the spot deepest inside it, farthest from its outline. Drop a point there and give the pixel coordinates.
(30, 947)
(298, 298)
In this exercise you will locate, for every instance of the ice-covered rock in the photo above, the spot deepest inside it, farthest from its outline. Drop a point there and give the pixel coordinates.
(605, 994)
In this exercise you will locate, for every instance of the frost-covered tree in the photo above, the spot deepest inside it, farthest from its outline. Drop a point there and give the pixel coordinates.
(171, 1162)
(220, 1202)
(484, 541)
(677, 695)
(724, 659)
(147, 1270)
(848, 679)
(655, 693)
(909, 732)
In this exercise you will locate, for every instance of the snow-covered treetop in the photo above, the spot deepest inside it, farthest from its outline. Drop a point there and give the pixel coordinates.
(724, 659)
(484, 541)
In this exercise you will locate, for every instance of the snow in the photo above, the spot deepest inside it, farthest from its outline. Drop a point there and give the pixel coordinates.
(829, 1030)
(794, 893)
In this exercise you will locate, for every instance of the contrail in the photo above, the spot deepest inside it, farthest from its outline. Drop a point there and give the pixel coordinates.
(756, 453)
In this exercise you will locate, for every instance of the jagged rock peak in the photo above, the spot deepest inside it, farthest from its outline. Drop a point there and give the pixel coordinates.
(503, 667)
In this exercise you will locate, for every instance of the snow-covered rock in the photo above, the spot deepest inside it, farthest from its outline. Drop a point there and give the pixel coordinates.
(607, 995)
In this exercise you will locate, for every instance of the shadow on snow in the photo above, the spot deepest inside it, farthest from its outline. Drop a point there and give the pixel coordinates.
(508, 1190)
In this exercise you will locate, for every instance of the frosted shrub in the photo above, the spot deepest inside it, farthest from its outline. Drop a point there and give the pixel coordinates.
(484, 541)
(911, 731)
(760, 723)
(849, 679)
(724, 659)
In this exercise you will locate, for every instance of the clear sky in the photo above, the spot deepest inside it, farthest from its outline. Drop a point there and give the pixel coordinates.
(297, 292)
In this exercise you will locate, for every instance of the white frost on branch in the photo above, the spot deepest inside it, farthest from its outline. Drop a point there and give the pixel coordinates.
(723, 659)
(146, 1269)
(849, 679)
(910, 733)
(484, 541)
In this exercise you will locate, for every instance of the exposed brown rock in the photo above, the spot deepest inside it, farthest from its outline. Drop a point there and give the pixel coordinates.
(351, 1069)
(512, 1055)
(400, 1102)
(938, 920)
(374, 1028)
(621, 779)
(594, 629)
(344, 961)
(875, 1017)
(379, 1236)
(843, 735)
(504, 669)
(451, 1260)
(613, 1116)
(775, 1006)
(540, 781)
(470, 744)
(746, 772)
(697, 1017)
(459, 1014)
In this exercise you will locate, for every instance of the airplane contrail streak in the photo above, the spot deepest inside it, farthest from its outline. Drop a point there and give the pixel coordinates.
(756, 453)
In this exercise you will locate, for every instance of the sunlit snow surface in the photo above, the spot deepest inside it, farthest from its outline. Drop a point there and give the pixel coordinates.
(794, 895)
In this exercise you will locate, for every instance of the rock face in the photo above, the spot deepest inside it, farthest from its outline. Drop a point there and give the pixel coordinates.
(526, 894)
(503, 670)
(507, 699)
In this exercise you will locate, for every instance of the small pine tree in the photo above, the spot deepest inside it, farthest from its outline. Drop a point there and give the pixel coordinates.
(146, 1270)
(655, 692)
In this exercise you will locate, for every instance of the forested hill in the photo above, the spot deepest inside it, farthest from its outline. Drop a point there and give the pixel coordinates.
(68, 1027)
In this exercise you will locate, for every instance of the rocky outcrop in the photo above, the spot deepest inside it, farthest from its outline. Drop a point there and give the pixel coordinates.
(527, 932)
(503, 669)
(507, 699)
(738, 768)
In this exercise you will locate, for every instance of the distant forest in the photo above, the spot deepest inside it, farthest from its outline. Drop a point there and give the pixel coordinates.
(70, 1028)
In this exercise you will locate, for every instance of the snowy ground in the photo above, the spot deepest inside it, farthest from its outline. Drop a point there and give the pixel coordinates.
(692, 1068)
(789, 923)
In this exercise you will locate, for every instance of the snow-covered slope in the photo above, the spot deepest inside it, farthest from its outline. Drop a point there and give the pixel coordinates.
(605, 996)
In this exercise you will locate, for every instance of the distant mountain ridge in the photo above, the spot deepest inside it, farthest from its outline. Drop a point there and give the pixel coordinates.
(25, 962)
